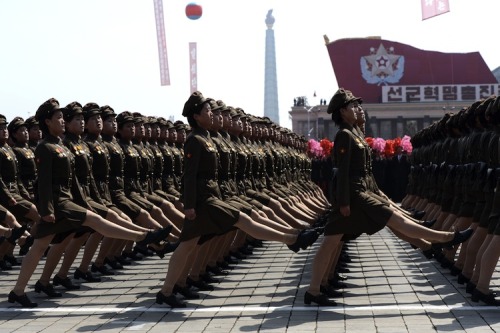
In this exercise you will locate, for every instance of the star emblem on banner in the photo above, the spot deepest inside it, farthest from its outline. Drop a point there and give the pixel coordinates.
(382, 66)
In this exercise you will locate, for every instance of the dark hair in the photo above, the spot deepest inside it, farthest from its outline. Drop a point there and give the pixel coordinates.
(190, 118)
(46, 111)
(73, 109)
(337, 117)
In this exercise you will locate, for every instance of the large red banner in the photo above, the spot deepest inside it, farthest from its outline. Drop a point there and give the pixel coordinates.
(431, 8)
(162, 43)
(193, 75)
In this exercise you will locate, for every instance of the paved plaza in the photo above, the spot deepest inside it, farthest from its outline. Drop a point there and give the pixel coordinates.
(392, 288)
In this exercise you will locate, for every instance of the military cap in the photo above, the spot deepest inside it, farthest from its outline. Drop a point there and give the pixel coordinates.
(162, 122)
(233, 113)
(194, 104)
(3, 120)
(15, 124)
(340, 99)
(169, 124)
(179, 125)
(30, 122)
(493, 110)
(153, 120)
(138, 118)
(46, 110)
(124, 117)
(107, 111)
(71, 110)
(267, 121)
(223, 106)
(91, 109)
(214, 105)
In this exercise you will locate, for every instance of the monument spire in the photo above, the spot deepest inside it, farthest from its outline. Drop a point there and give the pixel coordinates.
(271, 108)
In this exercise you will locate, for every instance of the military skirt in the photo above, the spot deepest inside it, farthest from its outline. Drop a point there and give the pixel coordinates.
(68, 216)
(213, 217)
(369, 213)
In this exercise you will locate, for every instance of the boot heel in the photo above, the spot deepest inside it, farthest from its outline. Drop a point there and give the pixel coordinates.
(307, 299)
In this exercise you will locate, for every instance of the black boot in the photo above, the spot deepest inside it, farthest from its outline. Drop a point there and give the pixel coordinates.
(65, 282)
(458, 238)
(489, 298)
(48, 289)
(170, 300)
(23, 300)
(321, 299)
(87, 276)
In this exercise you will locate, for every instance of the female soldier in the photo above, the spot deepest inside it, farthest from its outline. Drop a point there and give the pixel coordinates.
(206, 214)
(59, 213)
(18, 132)
(356, 209)
(13, 195)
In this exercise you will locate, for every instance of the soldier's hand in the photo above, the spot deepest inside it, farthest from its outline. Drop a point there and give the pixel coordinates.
(12, 202)
(49, 218)
(345, 210)
(190, 213)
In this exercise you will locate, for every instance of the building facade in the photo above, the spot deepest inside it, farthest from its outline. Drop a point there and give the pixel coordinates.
(404, 89)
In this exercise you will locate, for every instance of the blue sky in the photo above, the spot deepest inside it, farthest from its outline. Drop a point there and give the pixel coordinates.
(105, 51)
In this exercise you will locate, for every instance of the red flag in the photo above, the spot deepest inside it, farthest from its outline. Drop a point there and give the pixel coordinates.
(431, 8)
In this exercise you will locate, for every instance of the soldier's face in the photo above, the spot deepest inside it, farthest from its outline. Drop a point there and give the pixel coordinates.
(139, 130)
(360, 115)
(172, 135)
(109, 126)
(21, 135)
(4, 133)
(217, 120)
(348, 113)
(55, 124)
(205, 117)
(76, 125)
(94, 124)
(163, 132)
(181, 136)
(226, 120)
(148, 131)
(35, 133)
(127, 132)
(237, 125)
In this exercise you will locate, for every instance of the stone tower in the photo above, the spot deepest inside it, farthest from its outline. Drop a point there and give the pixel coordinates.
(271, 108)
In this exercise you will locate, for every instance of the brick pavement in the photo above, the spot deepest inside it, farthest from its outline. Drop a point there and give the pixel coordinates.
(393, 288)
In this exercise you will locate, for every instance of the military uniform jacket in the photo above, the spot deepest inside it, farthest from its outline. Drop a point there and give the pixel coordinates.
(83, 167)
(100, 166)
(131, 168)
(201, 166)
(9, 182)
(27, 167)
(168, 183)
(368, 211)
(351, 156)
(55, 164)
(116, 164)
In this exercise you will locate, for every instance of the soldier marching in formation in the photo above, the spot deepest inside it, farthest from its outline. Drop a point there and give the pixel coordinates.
(124, 184)
(456, 162)
(129, 186)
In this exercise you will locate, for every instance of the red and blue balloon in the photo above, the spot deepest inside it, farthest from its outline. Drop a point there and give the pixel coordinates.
(193, 11)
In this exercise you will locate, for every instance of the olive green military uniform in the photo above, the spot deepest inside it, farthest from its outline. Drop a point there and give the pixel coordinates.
(27, 168)
(11, 186)
(368, 214)
(55, 165)
(116, 182)
(201, 190)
